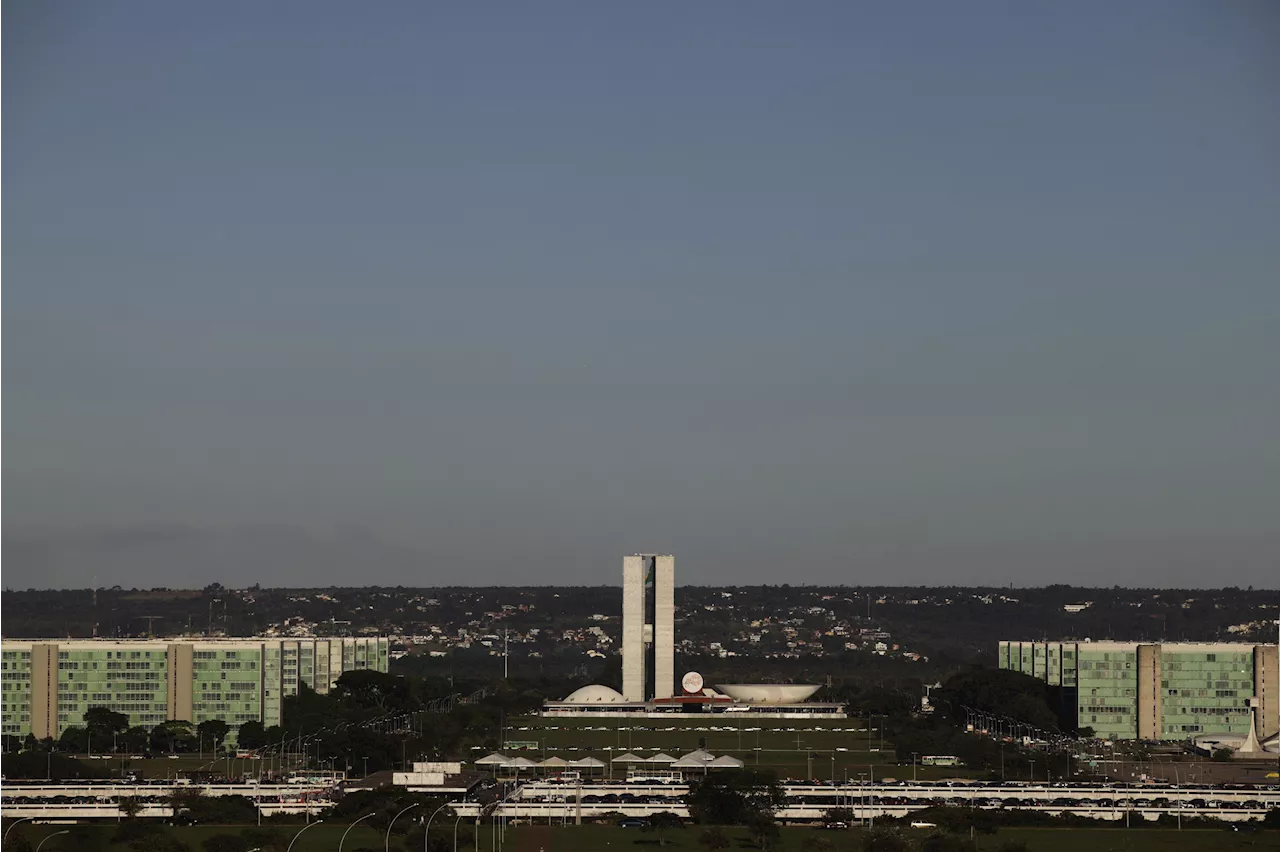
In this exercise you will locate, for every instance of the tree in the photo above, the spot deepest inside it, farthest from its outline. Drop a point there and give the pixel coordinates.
(251, 735)
(730, 798)
(660, 823)
(130, 806)
(764, 829)
(184, 799)
(74, 740)
(835, 815)
(714, 838)
(135, 739)
(173, 736)
(1008, 693)
(103, 722)
(213, 731)
(370, 689)
(1223, 755)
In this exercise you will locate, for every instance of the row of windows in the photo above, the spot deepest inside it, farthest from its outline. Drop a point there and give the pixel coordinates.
(131, 707)
(219, 706)
(1205, 693)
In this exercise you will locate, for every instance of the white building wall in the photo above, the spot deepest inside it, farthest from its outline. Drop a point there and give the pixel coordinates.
(664, 627)
(633, 628)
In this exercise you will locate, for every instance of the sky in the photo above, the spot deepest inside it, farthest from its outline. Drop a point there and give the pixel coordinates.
(822, 292)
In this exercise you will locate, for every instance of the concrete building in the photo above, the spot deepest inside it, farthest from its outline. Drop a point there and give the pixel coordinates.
(648, 626)
(47, 685)
(649, 658)
(1166, 691)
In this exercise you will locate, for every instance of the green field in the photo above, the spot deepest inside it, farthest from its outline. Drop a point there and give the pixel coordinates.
(794, 748)
(591, 838)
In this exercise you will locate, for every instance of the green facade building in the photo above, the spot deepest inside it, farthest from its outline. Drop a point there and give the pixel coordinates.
(47, 685)
(1169, 691)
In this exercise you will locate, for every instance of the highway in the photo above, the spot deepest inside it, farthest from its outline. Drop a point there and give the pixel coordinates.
(555, 802)
(101, 801)
(810, 802)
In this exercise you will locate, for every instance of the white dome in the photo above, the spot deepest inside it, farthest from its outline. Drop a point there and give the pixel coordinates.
(595, 694)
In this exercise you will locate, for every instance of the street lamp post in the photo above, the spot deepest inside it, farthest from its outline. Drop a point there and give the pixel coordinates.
(387, 843)
(47, 836)
(353, 825)
(862, 795)
(295, 837)
(455, 833)
(12, 824)
(871, 796)
(426, 835)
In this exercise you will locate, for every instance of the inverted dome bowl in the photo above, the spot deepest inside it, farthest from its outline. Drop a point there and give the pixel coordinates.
(769, 693)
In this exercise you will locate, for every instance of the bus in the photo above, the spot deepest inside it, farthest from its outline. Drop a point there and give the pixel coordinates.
(939, 760)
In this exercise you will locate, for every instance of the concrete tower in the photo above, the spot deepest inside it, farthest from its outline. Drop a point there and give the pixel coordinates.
(648, 626)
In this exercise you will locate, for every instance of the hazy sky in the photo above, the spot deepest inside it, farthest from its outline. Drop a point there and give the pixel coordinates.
(497, 292)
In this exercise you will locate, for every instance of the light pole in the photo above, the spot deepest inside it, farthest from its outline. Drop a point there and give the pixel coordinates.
(12, 824)
(387, 843)
(871, 796)
(455, 833)
(47, 836)
(295, 837)
(353, 825)
(862, 795)
(426, 835)
(914, 764)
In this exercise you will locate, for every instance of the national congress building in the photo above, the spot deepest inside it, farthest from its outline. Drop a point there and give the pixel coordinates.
(49, 684)
(1165, 691)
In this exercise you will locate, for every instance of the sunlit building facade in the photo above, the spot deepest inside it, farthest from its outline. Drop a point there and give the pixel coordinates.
(1168, 691)
(47, 685)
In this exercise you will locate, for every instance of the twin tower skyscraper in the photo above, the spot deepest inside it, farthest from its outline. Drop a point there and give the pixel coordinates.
(648, 626)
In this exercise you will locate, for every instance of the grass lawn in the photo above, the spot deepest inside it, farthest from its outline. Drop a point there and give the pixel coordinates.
(795, 748)
(592, 838)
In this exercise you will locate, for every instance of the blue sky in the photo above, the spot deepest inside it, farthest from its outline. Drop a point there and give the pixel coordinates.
(818, 292)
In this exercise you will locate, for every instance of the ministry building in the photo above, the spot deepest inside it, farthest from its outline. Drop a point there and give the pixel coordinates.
(47, 685)
(1158, 691)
